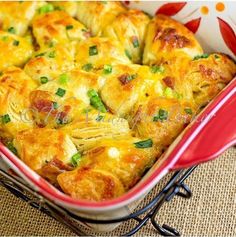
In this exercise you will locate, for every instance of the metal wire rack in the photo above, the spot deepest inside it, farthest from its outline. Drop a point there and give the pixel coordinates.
(174, 187)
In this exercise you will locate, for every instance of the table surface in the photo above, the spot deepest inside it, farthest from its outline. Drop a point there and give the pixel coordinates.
(211, 210)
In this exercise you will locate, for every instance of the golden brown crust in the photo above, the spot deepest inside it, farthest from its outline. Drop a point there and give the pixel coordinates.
(15, 87)
(51, 62)
(10, 43)
(46, 151)
(97, 15)
(106, 52)
(68, 7)
(208, 76)
(117, 159)
(18, 14)
(90, 184)
(168, 40)
(161, 119)
(58, 27)
(130, 29)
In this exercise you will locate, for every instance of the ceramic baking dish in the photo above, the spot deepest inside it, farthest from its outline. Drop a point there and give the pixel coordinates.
(210, 133)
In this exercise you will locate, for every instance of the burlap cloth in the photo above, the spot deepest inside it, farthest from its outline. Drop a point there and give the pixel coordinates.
(210, 212)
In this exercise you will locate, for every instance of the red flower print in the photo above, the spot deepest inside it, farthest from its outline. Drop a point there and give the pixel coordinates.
(171, 9)
(193, 25)
(228, 35)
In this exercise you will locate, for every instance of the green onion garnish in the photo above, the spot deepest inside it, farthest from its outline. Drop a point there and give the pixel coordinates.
(216, 56)
(55, 105)
(135, 41)
(11, 147)
(93, 50)
(52, 54)
(96, 101)
(99, 118)
(75, 159)
(205, 55)
(107, 69)
(43, 80)
(62, 121)
(157, 69)
(60, 92)
(39, 55)
(128, 54)
(87, 67)
(4, 38)
(63, 78)
(11, 30)
(144, 144)
(168, 92)
(6, 119)
(46, 8)
(188, 111)
(16, 42)
(51, 44)
(69, 27)
(161, 116)
(59, 8)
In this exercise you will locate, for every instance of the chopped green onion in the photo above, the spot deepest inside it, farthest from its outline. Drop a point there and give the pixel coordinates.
(87, 67)
(6, 119)
(51, 44)
(161, 116)
(107, 69)
(55, 105)
(59, 8)
(92, 93)
(63, 78)
(135, 41)
(99, 118)
(60, 92)
(144, 144)
(4, 38)
(168, 92)
(62, 121)
(11, 147)
(11, 30)
(205, 55)
(96, 101)
(75, 159)
(39, 55)
(188, 111)
(93, 50)
(157, 69)
(46, 8)
(52, 54)
(128, 54)
(16, 42)
(69, 27)
(43, 80)
(216, 56)
(86, 110)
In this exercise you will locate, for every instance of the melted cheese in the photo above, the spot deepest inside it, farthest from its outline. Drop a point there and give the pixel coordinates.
(57, 27)
(15, 87)
(14, 50)
(168, 40)
(97, 15)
